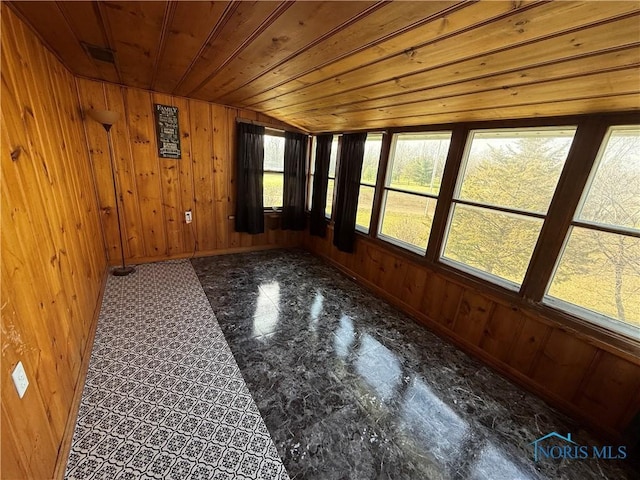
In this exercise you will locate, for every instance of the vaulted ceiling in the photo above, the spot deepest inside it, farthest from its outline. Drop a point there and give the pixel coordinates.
(331, 66)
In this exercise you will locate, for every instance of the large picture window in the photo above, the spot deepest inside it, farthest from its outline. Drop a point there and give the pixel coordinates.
(370, 163)
(273, 180)
(598, 271)
(412, 185)
(506, 182)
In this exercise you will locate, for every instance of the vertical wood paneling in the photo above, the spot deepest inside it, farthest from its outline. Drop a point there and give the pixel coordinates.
(414, 283)
(613, 380)
(140, 120)
(202, 175)
(130, 215)
(441, 300)
(500, 332)
(234, 237)
(568, 370)
(473, 313)
(185, 180)
(171, 193)
(222, 148)
(92, 95)
(563, 363)
(53, 257)
(16, 468)
(155, 192)
(528, 345)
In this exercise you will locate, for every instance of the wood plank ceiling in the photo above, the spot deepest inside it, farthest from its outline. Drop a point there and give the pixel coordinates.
(335, 66)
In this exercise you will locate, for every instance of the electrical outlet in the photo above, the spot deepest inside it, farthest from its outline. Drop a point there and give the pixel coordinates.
(188, 216)
(20, 379)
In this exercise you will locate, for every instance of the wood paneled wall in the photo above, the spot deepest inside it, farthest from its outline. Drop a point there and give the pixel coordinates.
(53, 260)
(587, 378)
(155, 192)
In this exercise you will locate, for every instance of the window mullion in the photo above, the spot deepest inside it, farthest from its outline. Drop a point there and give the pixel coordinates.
(379, 187)
(445, 195)
(566, 198)
(335, 182)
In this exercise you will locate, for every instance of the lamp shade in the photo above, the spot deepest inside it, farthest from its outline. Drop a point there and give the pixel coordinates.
(105, 117)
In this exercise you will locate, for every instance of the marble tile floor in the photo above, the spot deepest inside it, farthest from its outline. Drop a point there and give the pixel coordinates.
(164, 397)
(351, 388)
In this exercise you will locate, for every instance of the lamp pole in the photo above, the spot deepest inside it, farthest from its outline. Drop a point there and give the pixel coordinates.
(107, 118)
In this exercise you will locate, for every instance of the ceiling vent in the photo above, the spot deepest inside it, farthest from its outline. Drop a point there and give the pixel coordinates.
(101, 54)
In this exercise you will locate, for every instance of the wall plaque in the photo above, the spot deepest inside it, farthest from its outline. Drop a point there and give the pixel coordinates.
(167, 131)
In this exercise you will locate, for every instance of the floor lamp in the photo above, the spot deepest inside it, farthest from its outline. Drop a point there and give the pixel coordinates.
(107, 118)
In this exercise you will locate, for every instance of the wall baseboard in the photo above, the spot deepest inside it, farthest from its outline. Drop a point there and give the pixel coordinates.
(205, 253)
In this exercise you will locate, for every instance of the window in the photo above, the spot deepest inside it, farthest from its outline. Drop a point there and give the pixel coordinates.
(312, 171)
(598, 270)
(332, 174)
(506, 182)
(273, 179)
(412, 185)
(372, 149)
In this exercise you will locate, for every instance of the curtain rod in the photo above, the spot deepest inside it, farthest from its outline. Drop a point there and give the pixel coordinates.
(271, 125)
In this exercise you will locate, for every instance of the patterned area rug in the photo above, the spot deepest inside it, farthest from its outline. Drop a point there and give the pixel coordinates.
(164, 397)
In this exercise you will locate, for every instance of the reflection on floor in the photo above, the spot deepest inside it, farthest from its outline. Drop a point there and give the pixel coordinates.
(350, 388)
(164, 397)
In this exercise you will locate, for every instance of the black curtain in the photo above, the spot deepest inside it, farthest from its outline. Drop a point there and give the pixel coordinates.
(249, 173)
(295, 156)
(348, 188)
(318, 225)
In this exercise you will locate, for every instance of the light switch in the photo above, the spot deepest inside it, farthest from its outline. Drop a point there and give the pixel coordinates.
(20, 379)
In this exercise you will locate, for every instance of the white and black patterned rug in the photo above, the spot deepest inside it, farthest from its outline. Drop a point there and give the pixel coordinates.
(164, 397)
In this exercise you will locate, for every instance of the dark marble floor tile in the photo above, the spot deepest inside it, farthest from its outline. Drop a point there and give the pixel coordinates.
(351, 388)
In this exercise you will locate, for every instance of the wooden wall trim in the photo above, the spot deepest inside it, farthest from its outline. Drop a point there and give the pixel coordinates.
(65, 446)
